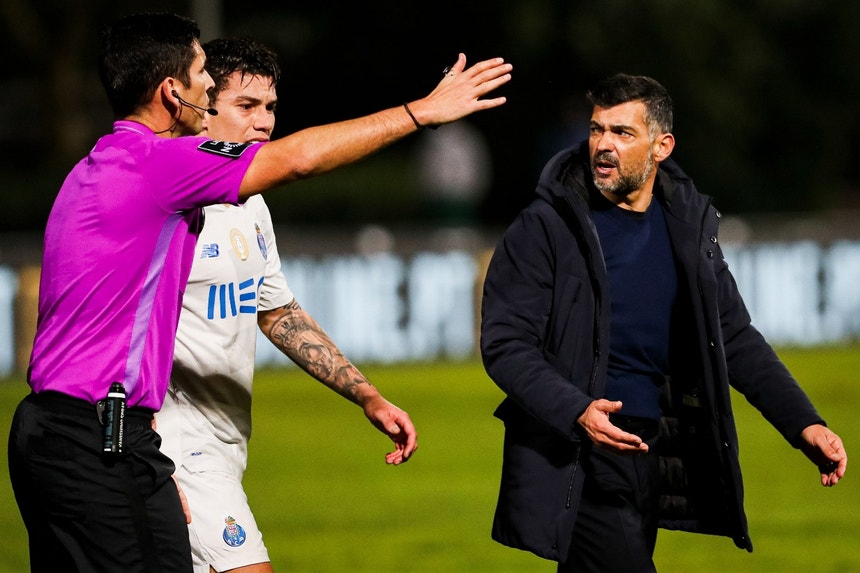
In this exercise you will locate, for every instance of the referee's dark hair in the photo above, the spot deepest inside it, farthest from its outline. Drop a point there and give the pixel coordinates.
(139, 51)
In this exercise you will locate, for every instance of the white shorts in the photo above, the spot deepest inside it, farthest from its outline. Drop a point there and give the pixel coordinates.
(223, 531)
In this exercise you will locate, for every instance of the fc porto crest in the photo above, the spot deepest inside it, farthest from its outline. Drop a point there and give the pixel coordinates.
(234, 534)
(261, 242)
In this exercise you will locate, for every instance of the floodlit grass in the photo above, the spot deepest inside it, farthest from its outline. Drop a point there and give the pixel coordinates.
(327, 502)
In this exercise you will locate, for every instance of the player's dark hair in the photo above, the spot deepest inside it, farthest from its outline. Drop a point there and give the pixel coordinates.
(244, 55)
(139, 51)
(623, 88)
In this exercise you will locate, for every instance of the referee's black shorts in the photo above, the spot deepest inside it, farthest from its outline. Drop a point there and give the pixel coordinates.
(86, 512)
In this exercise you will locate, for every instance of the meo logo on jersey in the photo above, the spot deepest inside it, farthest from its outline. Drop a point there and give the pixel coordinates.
(230, 299)
(234, 534)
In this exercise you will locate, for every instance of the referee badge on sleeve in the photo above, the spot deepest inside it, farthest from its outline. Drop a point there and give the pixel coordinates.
(225, 148)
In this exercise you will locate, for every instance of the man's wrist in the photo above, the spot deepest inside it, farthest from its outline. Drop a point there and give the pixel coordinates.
(418, 124)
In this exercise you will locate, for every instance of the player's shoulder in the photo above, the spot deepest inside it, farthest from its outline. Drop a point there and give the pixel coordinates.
(255, 202)
(256, 206)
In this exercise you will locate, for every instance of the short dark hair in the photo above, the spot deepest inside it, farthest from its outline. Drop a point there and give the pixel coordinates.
(623, 88)
(139, 51)
(249, 57)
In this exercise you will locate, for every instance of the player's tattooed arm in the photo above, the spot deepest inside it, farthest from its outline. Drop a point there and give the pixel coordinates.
(301, 338)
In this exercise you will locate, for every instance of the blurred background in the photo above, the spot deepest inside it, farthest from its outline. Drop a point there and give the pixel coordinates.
(766, 120)
(765, 91)
(388, 254)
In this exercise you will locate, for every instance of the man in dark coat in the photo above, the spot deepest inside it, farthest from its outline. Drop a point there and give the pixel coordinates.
(614, 327)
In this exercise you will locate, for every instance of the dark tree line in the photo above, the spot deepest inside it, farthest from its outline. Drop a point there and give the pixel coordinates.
(765, 92)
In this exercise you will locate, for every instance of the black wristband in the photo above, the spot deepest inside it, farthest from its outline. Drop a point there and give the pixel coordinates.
(415, 121)
(409, 111)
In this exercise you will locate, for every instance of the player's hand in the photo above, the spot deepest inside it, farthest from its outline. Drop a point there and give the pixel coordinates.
(824, 448)
(396, 424)
(605, 434)
(460, 91)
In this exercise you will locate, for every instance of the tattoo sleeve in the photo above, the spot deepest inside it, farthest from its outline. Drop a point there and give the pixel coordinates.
(298, 335)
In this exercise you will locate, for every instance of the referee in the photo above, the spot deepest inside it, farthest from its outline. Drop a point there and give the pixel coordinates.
(117, 253)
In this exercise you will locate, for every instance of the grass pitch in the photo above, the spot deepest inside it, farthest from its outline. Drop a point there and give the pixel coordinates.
(327, 502)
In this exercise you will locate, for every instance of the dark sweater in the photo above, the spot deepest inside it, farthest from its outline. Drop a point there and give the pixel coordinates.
(642, 288)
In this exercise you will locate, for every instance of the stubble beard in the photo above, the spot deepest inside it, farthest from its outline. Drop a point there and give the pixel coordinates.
(626, 183)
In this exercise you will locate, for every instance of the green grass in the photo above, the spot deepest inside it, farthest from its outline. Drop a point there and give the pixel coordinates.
(327, 502)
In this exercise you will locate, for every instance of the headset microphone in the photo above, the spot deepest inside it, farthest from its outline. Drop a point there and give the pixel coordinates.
(209, 110)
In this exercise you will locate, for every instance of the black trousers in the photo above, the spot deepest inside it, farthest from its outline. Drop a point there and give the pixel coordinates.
(85, 512)
(616, 525)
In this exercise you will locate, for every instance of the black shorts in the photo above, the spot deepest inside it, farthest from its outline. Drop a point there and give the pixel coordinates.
(88, 512)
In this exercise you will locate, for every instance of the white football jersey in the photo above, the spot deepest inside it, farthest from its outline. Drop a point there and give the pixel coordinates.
(236, 273)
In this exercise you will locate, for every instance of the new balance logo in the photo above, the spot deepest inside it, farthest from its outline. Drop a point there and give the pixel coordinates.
(210, 251)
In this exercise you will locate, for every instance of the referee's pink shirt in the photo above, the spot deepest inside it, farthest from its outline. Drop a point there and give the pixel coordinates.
(118, 249)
